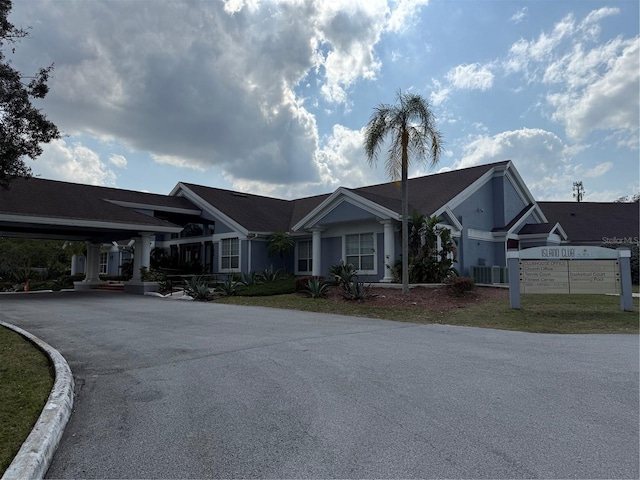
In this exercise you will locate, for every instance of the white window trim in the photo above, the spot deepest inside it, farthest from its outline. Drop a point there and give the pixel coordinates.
(303, 272)
(229, 270)
(375, 252)
(104, 264)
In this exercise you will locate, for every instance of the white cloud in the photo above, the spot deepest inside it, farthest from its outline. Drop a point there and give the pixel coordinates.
(540, 156)
(520, 15)
(201, 84)
(118, 161)
(609, 101)
(462, 77)
(544, 162)
(341, 162)
(440, 94)
(592, 86)
(523, 53)
(73, 163)
(598, 170)
(471, 77)
(403, 14)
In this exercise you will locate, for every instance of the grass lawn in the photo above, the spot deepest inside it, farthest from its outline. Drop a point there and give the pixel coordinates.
(539, 313)
(26, 379)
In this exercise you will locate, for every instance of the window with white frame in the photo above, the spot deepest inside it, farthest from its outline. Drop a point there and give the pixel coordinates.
(305, 248)
(104, 258)
(360, 251)
(229, 253)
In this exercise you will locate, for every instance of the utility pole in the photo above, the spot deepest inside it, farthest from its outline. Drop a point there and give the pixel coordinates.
(578, 190)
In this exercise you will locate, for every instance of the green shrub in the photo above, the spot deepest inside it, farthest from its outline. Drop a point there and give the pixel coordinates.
(284, 284)
(459, 286)
(113, 278)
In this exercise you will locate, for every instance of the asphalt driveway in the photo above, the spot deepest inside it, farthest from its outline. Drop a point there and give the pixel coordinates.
(175, 389)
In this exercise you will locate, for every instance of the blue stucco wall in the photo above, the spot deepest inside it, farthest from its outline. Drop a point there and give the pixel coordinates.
(498, 207)
(499, 254)
(331, 253)
(513, 204)
(469, 209)
(260, 258)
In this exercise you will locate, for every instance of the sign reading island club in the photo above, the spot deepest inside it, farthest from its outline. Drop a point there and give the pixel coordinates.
(570, 270)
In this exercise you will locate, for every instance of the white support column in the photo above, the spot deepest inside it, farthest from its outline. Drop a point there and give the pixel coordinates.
(389, 250)
(316, 255)
(93, 263)
(141, 255)
(74, 264)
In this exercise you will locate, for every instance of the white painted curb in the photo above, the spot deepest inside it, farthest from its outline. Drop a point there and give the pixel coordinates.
(34, 457)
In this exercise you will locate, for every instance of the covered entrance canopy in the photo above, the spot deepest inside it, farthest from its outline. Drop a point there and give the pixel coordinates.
(46, 209)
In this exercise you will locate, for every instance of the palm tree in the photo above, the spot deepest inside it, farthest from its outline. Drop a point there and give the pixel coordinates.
(413, 131)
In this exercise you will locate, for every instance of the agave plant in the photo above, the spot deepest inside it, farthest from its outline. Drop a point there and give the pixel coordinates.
(202, 292)
(269, 274)
(355, 291)
(317, 288)
(229, 286)
(251, 278)
(343, 273)
(198, 289)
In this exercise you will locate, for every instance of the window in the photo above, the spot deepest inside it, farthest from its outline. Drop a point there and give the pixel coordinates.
(103, 262)
(229, 253)
(305, 256)
(360, 251)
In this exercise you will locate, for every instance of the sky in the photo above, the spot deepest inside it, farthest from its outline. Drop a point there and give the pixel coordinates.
(272, 97)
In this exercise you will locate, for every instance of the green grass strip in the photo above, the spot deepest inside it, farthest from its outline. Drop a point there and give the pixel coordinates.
(26, 379)
(539, 313)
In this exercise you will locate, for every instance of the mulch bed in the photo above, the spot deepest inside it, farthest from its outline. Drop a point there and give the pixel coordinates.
(432, 298)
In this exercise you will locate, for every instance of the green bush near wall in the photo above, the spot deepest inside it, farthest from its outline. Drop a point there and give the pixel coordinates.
(284, 284)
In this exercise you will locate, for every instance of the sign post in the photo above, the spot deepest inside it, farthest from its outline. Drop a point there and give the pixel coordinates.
(570, 270)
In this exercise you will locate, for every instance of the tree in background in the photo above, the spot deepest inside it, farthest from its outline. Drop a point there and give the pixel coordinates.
(22, 126)
(413, 132)
(578, 190)
(280, 243)
(22, 259)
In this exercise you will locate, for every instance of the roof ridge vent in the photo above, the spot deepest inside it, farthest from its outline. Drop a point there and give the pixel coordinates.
(239, 194)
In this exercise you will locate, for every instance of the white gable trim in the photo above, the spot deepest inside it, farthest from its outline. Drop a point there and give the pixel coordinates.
(453, 221)
(521, 188)
(147, 206)
(182, 190)
(74, 222)
(466, 193)
(337, 198)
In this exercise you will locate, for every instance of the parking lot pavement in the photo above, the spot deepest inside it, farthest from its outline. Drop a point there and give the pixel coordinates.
(169, 389)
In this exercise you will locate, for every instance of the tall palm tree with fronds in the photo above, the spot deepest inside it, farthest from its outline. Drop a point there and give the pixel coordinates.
(412, 127)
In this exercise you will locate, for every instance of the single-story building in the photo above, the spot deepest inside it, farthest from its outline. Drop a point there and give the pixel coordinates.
(487, 208)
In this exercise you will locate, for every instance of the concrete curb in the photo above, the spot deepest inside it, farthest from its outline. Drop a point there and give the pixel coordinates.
(34, 457)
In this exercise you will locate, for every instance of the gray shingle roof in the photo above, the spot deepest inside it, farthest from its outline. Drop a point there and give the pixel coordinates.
(266, 214)
(254, 212)
(426, 194)
(591, 222)
(48, 198)
(38, 197)
(536, 228)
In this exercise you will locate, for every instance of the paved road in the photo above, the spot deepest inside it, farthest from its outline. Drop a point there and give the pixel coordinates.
(173, 389)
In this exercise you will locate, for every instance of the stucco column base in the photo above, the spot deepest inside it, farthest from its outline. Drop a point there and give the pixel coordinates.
(87, 285)
(140, 288)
